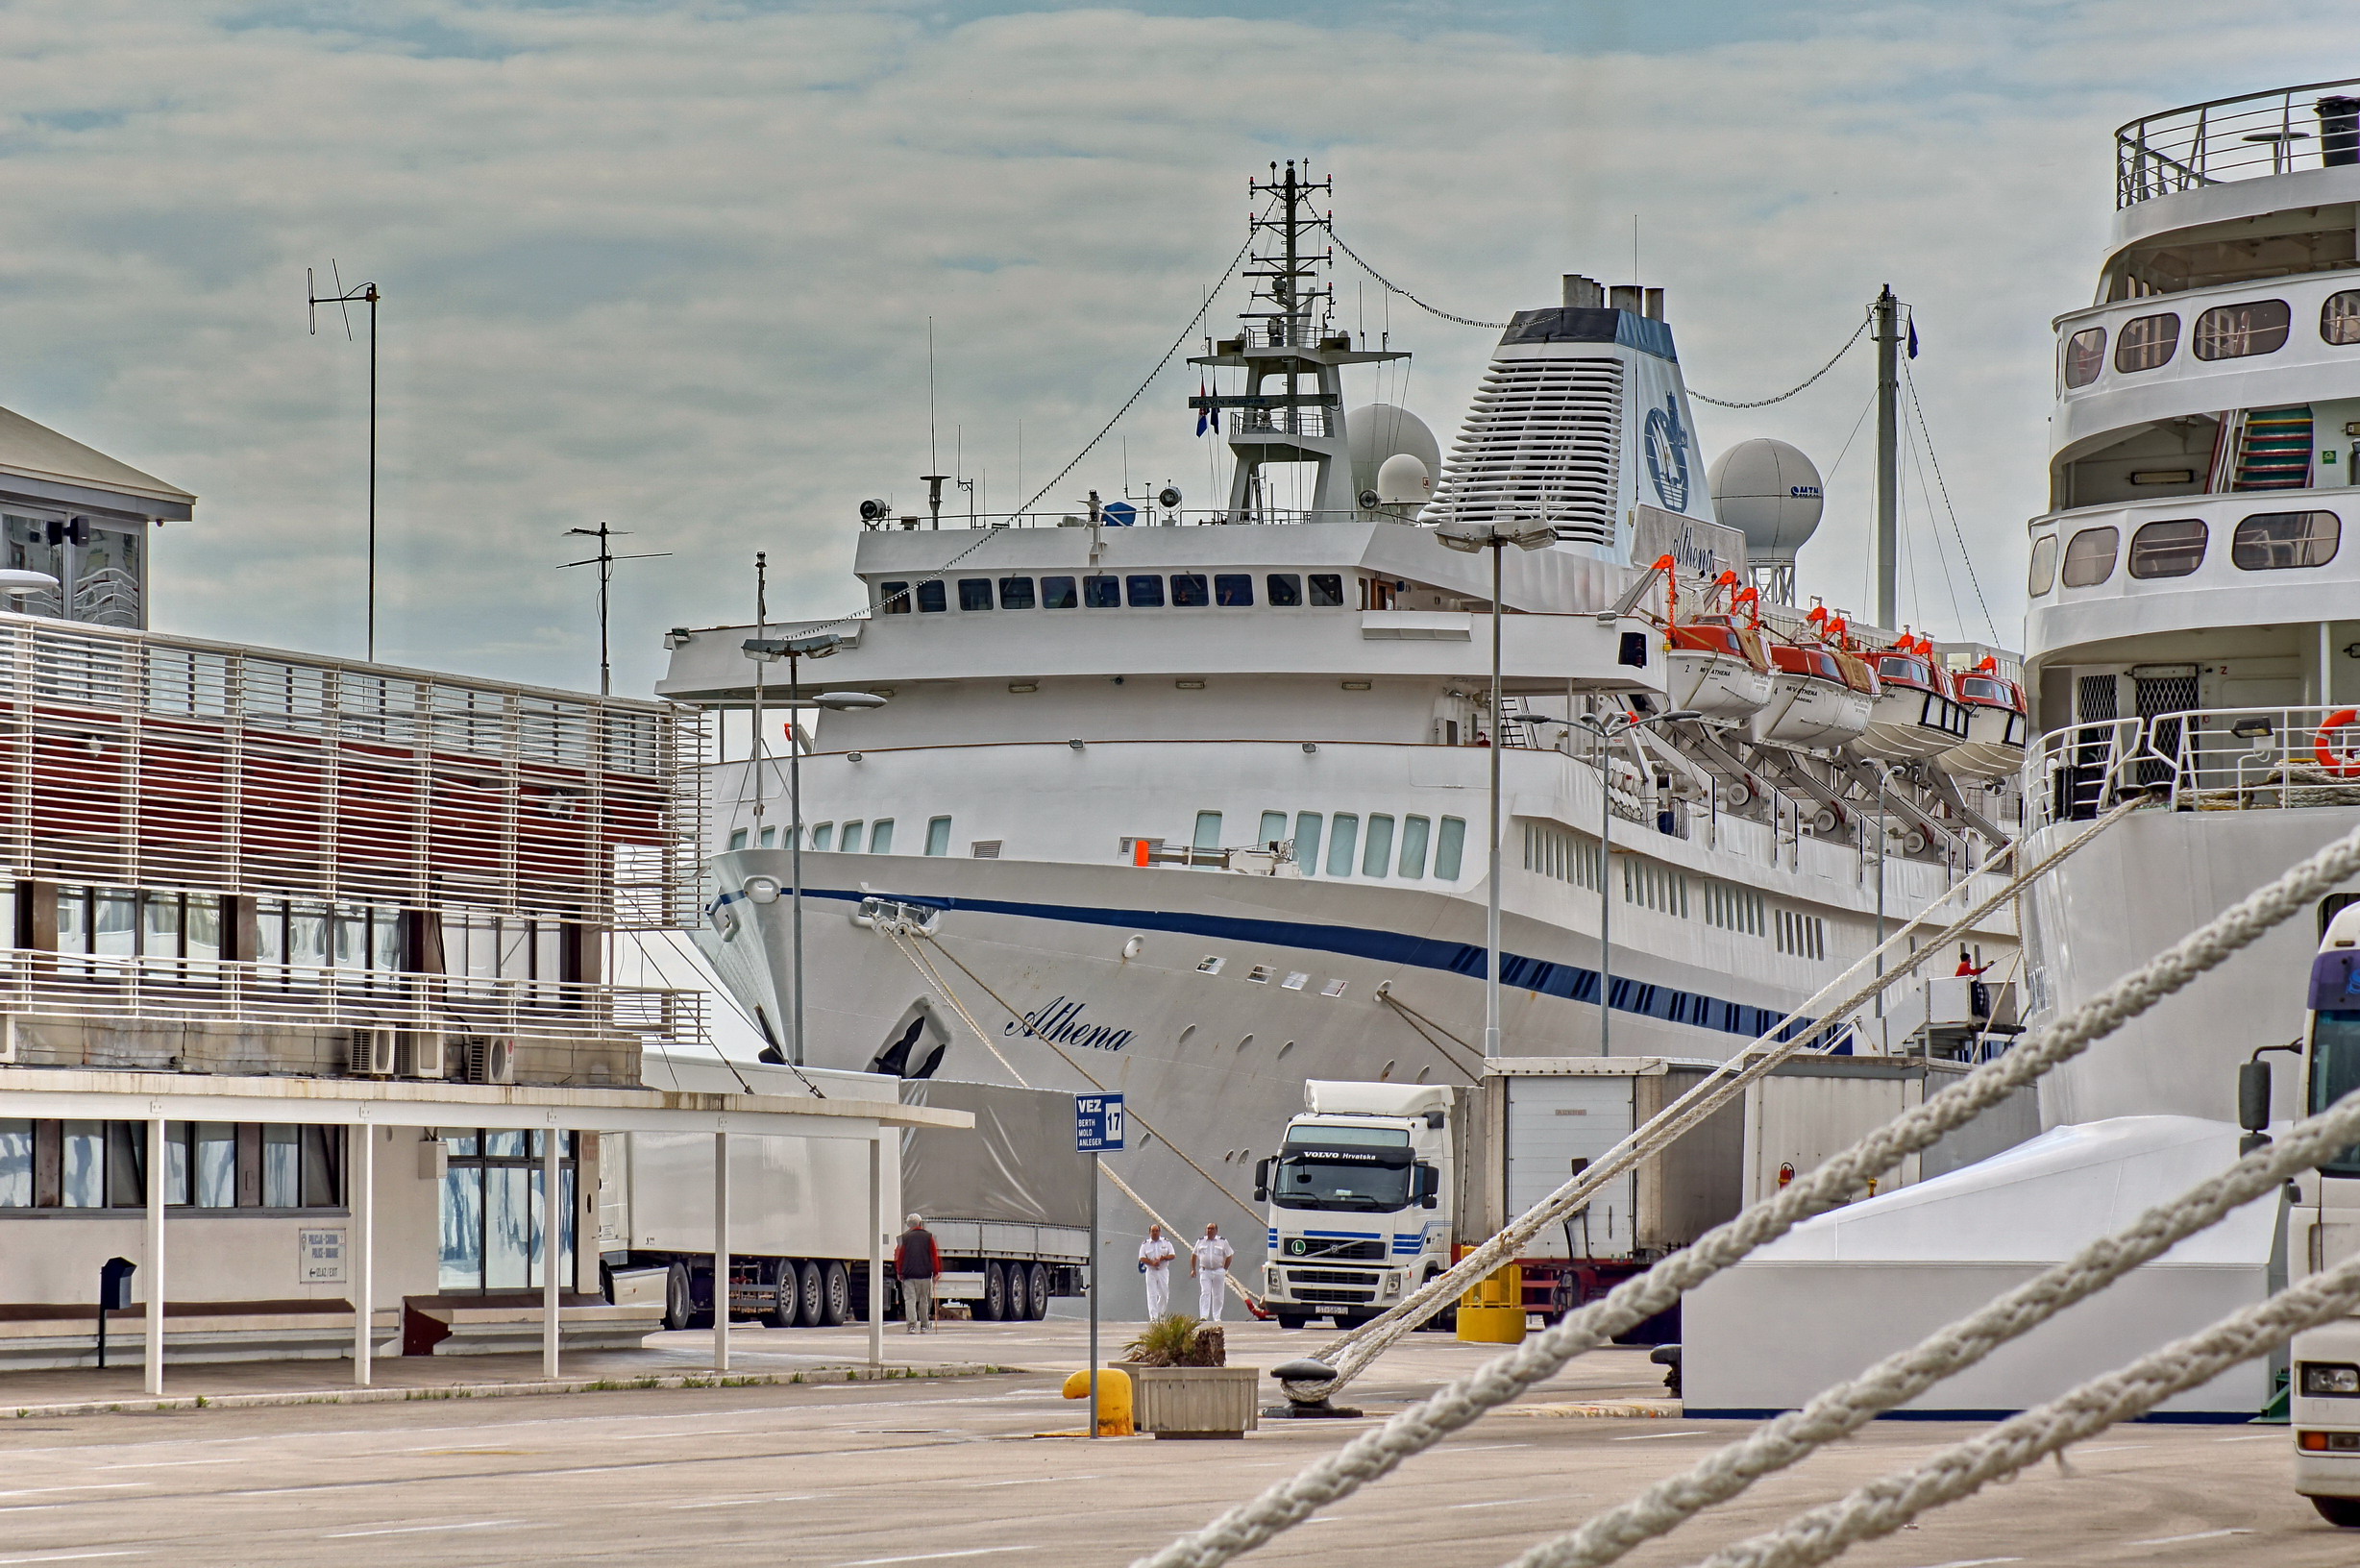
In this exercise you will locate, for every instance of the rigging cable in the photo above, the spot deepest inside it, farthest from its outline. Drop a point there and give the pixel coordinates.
(1973, 580)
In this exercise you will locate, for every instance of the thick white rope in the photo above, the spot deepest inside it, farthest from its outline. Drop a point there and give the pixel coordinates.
(1351, 1353)
(1453, 1407)
(1849, 1405)
(1888, 1503)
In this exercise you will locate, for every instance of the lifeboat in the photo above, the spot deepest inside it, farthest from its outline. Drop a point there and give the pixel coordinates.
(1718, 669)
(1914, 716)
(1996, 721)
(1819, 696)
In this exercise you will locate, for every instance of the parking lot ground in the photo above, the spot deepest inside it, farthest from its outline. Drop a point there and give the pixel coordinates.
(952, 1470)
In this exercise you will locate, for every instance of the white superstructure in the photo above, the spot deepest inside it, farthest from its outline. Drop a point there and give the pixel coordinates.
(1201, 795)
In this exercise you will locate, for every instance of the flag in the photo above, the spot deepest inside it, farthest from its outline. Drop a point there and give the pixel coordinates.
(1913, 337)
(1201, 409)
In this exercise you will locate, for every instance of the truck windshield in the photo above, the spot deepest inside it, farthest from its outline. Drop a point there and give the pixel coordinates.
(1339, 1178)
(2335, 1072)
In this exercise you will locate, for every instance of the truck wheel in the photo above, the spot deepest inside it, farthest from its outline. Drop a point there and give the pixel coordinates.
(807, 1285)
(994, 1305)
(2343, 1512)
(786, 1298)
(835, 1294)
(1291, 1320)
(679, 1306)
(1020, 1299)
(1037, 1292)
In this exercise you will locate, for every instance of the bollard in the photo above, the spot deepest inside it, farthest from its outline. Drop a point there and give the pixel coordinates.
(1113, 1399)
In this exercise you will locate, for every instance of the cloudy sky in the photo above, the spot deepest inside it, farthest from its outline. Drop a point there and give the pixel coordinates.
(672, 266)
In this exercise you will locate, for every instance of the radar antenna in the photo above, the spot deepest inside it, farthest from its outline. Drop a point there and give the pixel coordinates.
(343, 300)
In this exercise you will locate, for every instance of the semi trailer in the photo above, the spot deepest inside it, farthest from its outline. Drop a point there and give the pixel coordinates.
(1008, 1202)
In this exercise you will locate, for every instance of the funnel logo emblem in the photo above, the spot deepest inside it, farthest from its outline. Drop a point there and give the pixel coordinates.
(1667, 455)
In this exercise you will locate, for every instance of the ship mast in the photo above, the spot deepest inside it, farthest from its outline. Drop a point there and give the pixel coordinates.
(1285, 340)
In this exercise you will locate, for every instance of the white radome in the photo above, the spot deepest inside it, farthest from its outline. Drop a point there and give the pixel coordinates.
(1771, 491)
(1377, 432)
(1402, 480)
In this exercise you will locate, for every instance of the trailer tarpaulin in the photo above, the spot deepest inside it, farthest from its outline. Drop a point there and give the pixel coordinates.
(1018, 1167)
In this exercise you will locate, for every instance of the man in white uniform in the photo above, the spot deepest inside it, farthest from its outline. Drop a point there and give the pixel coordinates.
(1155, 1256)
(1209, 1262)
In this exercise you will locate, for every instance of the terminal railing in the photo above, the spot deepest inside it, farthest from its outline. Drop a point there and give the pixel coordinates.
(2308, 127)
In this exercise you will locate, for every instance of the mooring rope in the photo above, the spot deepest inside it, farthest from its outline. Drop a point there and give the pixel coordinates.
(1451, 1408)
(1836, 1413)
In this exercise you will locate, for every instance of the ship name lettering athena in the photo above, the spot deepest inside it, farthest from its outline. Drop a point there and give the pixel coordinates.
(1060, 1022)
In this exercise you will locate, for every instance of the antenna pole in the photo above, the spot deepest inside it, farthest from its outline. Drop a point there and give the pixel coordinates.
(1886, 315)
(604, 560)
(371, 297)
(762, 630)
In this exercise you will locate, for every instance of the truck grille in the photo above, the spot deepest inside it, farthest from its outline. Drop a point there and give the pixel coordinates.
(1330, 1276)
(1338, 1298)
(1313, 1247)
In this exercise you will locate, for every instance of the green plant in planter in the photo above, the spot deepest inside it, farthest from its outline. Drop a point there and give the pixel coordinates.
(1177, 1339)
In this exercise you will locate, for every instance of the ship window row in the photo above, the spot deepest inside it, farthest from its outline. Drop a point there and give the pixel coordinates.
(207, 1164)
(1110, 591)
(2176, 547)
(855, 837)
(2227, 331)
(1378, 845)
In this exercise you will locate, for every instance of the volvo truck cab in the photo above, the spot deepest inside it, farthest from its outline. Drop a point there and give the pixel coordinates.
(1359, 1199)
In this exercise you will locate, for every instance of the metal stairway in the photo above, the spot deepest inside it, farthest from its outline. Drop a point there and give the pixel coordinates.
(2273, 450)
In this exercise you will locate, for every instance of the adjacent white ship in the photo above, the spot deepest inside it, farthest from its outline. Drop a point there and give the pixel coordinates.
(1201, 795)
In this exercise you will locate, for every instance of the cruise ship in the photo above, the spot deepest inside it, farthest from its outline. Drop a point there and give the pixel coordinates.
(2193, 623)
(1193, 803)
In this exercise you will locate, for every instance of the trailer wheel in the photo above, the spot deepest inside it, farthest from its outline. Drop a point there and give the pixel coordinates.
(680, 1304)
(1020, 1296)
(807, 1280)
(835, 1294)
(786, 1297)
(993, 1306)
(1037, 1292)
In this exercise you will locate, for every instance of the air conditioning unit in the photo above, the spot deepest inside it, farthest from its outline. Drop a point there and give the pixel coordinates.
(424, 1054)
(491, 1058)
(374, 1053)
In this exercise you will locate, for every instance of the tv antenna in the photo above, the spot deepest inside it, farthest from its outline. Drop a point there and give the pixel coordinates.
(604, 560)
(343, 300)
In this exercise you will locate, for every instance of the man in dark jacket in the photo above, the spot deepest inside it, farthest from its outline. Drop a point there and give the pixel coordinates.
(916, 1262)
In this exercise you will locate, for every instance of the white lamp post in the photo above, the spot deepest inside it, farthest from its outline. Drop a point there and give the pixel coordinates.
(795, 650)
(1524, 533)
(1608, 731)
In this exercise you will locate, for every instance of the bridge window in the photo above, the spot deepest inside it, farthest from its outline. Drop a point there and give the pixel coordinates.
(1327, 590)
(1016, 592)
(1103, 593)
(2167, 550)
(2044, 565)
(975, 592)
(1343, 842)
(2338, 319)
(1379, 858)
(1285, 589)
(851, 836)
(1233, 590)
(881, 836)
(1057, 594)
(2085, 356)
(931, 599)
(1147, 593)
(1273, 828)
(1413, 833)
(2147, 342)
(823, 836)
(2233, 331)
(1207, 834)
(1189, 590)
(1307, 841)
(893, 597)
(938, 836)
(2276, 541)
(2089, 557)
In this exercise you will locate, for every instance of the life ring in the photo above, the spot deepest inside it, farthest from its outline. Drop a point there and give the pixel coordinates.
(2345, 763)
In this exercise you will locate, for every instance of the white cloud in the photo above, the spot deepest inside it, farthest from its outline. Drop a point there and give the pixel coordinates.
(672, 267)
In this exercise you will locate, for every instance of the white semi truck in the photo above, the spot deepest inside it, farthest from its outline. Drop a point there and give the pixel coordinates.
(1376, 1186)
(2322, 1231)
(1008, 1202)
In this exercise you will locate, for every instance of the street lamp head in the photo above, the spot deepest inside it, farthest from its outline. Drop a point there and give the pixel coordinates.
(1523, 533)
(1677, 716)
(848, 702)
(817, 645)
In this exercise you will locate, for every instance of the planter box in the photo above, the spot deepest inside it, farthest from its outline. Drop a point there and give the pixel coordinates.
(1196, 1400)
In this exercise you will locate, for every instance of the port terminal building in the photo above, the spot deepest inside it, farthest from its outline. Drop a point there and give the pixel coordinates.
(307, 1034)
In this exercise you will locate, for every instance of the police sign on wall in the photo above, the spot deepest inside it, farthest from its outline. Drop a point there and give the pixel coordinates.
(1098, 1123)
(319, 1257)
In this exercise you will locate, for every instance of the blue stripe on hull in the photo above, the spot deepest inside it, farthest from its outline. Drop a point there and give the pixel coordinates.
(1569, 981)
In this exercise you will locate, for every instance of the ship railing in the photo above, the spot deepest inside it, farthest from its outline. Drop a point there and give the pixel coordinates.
(1147, 514)
(1282, 333)
(2203, 759)
(183, 990)
(1280, 422)
(2308, 127)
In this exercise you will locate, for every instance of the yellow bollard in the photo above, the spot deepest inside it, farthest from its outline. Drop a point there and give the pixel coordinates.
(1492, 1312)
(1113, 1399)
